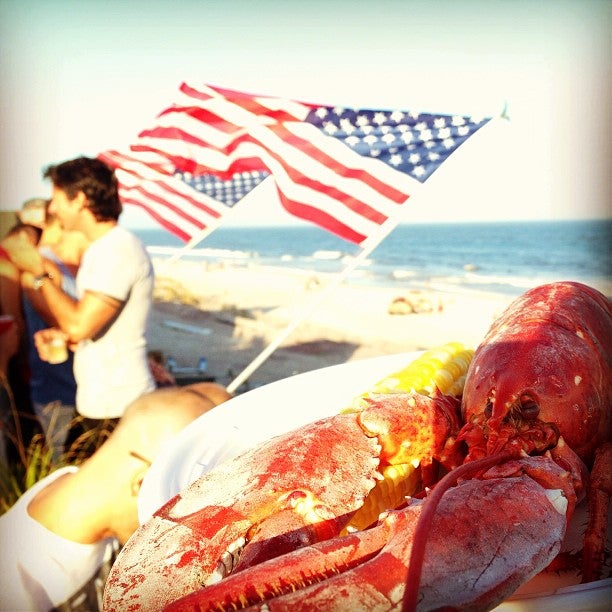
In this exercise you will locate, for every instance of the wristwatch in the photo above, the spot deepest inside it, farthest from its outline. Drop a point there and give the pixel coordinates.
(39, 280)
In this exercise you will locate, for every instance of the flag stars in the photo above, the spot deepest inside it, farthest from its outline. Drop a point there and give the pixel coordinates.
(347, 126)
(410, 142)
(426, 135)
(330, 128)
(380, 118)
(227, 191)
(414, 158)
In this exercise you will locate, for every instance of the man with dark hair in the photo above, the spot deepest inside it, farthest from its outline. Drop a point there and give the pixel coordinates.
(105, 325)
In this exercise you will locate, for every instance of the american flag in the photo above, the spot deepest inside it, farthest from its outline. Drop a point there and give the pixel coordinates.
(346, 170)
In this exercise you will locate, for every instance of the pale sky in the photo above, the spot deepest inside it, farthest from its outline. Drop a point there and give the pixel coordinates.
(79, 77)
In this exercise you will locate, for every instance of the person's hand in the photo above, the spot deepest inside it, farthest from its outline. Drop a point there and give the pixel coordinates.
(24, 254)
(27, 280)
(43, 341)
(161, 376)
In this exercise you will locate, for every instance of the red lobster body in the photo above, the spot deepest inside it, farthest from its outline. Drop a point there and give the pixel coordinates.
(536, 408)
(546, 360)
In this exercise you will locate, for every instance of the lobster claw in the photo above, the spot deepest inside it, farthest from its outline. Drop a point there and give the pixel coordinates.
(480, 523)
(296, 489)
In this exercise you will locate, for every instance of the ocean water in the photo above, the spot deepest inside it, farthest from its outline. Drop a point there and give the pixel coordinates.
(504, 257)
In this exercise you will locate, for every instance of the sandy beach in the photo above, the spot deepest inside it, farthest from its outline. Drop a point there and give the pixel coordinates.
(230, 314)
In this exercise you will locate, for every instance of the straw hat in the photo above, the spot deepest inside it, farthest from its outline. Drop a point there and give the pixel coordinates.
(33, 211)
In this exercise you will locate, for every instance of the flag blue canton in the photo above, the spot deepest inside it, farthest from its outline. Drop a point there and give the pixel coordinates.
(413, 143)
(228, 192)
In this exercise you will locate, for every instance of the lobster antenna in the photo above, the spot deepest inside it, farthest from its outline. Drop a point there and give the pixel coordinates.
(423, 526)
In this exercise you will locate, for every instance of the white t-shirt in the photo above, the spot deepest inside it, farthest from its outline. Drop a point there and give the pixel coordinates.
(40, 570)
(112, 370)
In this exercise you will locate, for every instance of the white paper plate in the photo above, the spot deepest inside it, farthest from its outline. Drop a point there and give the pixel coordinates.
(262, 413)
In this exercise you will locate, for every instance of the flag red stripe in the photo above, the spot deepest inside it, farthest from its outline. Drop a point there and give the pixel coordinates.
(204, 116)
(250, 104)
(141, 190)
(193, 201)
(321, 156)
(194, 93)
(350, 202)
(171, 133)
(191, 165)
(153, 212)
(320, 218)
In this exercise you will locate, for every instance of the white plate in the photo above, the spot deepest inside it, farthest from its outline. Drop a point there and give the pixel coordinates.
(248, 419)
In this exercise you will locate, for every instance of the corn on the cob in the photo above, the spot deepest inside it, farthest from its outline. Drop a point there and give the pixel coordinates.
(399, 481)
(444, 367)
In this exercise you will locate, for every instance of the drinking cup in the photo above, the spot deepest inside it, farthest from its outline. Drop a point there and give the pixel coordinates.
(57, 351)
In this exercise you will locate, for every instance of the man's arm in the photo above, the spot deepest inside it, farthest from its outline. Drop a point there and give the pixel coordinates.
(80, 319)
(83, 318)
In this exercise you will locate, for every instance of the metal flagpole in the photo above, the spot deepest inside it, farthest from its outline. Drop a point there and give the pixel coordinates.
(370, 243)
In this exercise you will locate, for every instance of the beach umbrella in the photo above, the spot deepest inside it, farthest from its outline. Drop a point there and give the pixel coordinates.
(350, 171)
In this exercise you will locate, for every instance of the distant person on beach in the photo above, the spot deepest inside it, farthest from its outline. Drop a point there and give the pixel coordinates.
(52, 385)
(106, 324)
(58, 540)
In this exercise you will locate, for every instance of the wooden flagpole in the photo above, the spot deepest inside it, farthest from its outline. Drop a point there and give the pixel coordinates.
(369, 244)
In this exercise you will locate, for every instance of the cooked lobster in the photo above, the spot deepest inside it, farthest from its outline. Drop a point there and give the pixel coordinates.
(514, 462)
